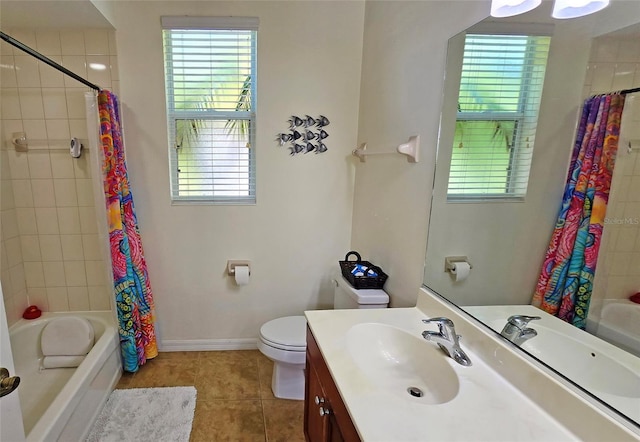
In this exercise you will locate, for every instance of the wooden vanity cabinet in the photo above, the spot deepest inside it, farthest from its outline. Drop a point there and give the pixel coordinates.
(325, 415)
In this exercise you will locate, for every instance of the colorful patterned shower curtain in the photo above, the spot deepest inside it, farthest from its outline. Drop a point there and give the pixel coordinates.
(134, 300)
(566, 280)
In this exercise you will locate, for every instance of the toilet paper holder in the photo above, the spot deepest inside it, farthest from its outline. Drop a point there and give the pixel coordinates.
(233, 263)
(450, 261)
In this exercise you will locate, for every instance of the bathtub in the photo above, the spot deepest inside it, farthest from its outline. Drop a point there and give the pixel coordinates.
(620, 324)
(62, 403)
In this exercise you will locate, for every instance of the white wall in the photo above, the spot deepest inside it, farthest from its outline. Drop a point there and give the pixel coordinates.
(309, 58)
(404, 56)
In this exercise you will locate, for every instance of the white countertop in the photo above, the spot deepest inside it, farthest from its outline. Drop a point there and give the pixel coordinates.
(486, 408)
(579, 355)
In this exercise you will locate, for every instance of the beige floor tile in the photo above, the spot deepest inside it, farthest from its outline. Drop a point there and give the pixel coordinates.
(165, 373)
(228, 421)
(228, 379)
(265, 372)
(181, 355)
(284, 420)
(230, 356)
(230, 387)
(125, 380)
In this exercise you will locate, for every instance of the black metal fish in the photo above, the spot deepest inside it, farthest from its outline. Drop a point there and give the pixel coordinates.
(311, 147)
(321, 148)
(310, 135)
(322, 121)
(322, 134)
(296, 135)
(298, 148)
(309, 121)
(284, 138)
(295, 122)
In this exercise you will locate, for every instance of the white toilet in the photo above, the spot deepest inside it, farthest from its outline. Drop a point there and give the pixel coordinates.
(283, 340)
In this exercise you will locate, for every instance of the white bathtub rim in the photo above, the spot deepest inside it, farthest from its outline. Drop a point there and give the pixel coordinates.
(52, 422)
(611, 332)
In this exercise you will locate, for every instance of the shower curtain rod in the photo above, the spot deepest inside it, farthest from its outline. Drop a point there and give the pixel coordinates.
(13, 42)
(630, 91)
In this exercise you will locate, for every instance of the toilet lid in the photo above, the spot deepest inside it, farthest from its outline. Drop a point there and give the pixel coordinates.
(287, 332)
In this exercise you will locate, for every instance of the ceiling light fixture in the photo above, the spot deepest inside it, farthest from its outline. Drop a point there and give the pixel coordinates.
(577, 8)
(562, 9)
(507, 8)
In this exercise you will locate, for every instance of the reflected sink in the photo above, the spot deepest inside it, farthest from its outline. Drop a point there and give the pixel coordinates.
(396, 361)
(586, 366)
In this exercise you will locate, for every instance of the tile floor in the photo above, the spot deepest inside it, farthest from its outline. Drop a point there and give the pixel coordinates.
(234, 401)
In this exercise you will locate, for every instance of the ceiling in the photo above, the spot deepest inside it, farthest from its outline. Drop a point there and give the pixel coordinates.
(65, 14)
(51, 14)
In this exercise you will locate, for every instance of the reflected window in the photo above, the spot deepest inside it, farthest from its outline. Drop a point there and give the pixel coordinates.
(210, 77)
(498, 103)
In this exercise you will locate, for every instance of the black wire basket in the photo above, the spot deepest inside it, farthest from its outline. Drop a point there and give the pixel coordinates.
(362, 282)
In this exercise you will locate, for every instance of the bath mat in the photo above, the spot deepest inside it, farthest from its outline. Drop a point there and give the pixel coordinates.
(146, 414)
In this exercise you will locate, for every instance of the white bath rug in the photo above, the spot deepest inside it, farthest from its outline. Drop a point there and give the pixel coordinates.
(146, 414)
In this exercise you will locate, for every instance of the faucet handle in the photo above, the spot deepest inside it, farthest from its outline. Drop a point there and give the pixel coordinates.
(440, 321)
(445, 327)
(521, 321)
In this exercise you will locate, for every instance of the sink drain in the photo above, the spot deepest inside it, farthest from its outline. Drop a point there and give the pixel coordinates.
(415, 392)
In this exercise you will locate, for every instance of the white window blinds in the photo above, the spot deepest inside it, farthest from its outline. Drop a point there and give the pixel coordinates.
(498, 103)
(210, 73)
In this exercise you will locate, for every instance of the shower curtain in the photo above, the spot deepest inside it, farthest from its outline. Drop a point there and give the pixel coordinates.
(134, 300)
(566, 281)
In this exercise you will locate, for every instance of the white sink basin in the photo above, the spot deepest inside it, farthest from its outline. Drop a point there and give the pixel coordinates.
(396, 361)
(583, 364)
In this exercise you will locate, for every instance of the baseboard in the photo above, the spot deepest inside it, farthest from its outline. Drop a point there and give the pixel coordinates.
(208, 344)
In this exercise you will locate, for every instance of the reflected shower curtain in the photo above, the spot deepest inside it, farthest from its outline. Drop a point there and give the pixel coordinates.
(566, 280)
(134, 300)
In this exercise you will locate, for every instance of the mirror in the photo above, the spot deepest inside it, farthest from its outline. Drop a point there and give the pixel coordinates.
(505, 240)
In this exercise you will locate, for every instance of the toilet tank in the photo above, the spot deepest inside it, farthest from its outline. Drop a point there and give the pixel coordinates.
(345, 296)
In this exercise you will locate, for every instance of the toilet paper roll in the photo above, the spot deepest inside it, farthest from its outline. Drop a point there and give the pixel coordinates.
(242, 275)
(460, 270)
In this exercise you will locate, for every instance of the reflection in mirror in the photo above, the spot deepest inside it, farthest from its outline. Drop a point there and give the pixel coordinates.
(505, 233)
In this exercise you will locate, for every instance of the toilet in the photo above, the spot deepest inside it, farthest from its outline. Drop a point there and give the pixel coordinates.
(283, 340)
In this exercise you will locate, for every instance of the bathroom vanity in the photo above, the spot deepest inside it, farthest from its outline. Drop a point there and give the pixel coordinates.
(371, 376)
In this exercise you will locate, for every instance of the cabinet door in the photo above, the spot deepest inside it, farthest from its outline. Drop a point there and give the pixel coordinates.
(316, 426)
(334, 430)
(328, 420)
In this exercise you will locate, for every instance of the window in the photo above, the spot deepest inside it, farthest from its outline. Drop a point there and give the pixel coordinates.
(498, 103)
(210, 77)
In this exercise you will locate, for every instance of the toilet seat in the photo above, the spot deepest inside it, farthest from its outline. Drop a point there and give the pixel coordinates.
(288, 333)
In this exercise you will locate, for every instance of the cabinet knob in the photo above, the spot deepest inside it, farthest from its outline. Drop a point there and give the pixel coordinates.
(319, 400)
(324, 411)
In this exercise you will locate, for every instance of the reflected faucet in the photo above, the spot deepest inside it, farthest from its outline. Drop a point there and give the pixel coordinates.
(447, 339)
(516, 329)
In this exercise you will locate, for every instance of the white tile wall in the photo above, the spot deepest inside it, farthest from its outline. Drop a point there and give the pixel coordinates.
(50, 247)
(615, 65)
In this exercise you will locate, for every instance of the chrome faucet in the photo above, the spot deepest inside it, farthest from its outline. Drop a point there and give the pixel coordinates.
(447, 339)
(516, 329)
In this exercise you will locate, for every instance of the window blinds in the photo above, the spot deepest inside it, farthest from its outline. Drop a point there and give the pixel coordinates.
(210, 71)
(498, 103)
